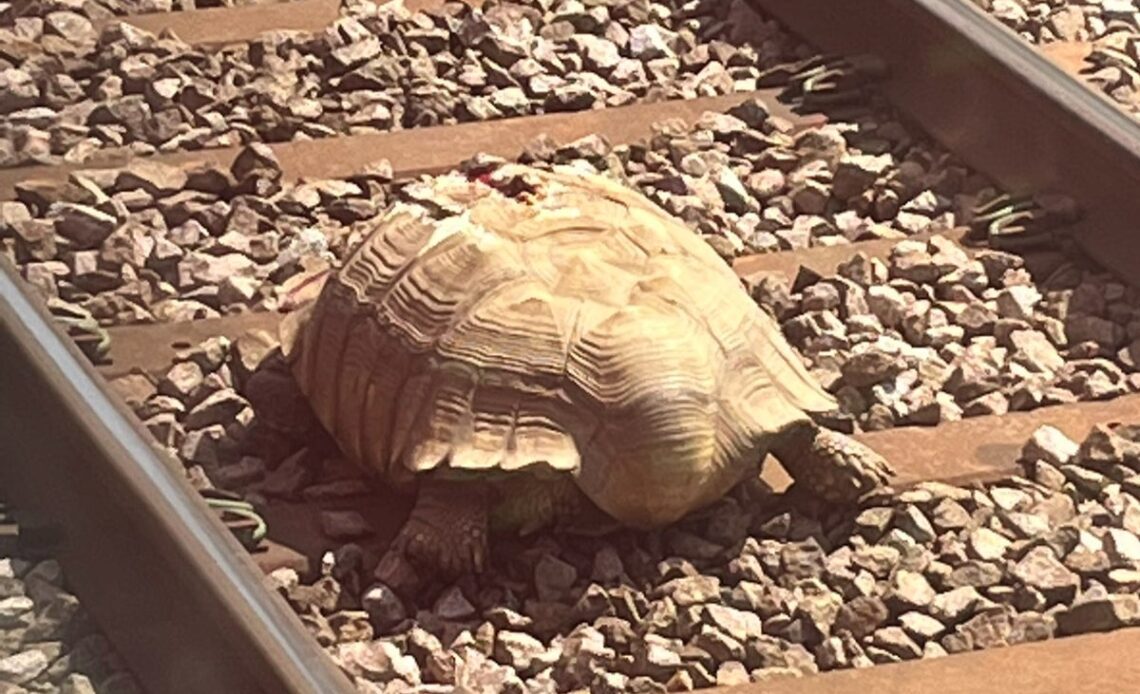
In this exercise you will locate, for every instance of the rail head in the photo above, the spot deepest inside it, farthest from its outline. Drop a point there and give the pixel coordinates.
(126, 517)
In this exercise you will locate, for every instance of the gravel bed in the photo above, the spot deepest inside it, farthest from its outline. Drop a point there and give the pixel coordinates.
(375, 70)
(153, 243)
(48, 643)
(1114, 66)
(932, 335)
(748, 590)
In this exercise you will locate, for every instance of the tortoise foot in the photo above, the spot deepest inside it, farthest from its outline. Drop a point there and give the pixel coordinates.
(835, 467)
(444, 537)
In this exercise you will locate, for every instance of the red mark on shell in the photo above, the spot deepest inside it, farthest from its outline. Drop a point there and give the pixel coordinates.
(305, 291)
(483, 177)
(512, 187)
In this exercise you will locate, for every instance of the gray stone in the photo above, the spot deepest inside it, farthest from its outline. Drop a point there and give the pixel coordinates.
(650, 41)
(732, 674)
(453, 605)
(978, 574)
(880, 560)
(600, 54)
(921, 627)
(909, 590)
(1040, 569)
(552, 577)
(221, 407)
(1122, 546)
(987, 545)
(955, 605)
(378, 661)
(692, 590)
(949, 515)
(1018, 302)
(897, 642)
(1050, 445)
(24, 666)
(86, 226)
(76, 683)
(1033, 349)
(521, 651)
(738, 624)
(16, 611)
(1102, 614)
(820, 607)
(869, 367)
(914, 523)
(861, 616)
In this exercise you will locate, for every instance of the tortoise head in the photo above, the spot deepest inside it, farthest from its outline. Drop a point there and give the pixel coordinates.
(281, 408)
(303, 288)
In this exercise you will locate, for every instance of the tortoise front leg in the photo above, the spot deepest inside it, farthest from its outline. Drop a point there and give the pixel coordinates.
(829, 465)
(445, 536)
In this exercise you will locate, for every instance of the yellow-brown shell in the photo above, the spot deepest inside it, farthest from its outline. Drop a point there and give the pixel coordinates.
(577, 327)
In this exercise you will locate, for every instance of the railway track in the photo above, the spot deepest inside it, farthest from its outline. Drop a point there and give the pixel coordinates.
(962, 112)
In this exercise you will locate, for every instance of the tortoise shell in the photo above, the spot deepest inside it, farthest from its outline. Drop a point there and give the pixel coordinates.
(549, 321)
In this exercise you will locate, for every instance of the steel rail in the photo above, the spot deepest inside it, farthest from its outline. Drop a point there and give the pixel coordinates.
(976, 87)
(171, 588)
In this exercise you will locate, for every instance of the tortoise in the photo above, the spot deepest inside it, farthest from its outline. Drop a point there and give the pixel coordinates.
(529, 343)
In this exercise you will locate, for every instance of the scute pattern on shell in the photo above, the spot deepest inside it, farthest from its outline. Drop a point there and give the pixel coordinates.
(575, 327)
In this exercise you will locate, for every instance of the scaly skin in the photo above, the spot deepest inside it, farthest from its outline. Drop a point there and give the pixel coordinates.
(446, 533)
(831, 466)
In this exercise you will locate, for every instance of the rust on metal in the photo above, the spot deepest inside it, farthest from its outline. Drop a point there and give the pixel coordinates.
(216, 26)
(151, 348)
(980, 90)
(1070, 56)
(441, 148)
(1089, 664)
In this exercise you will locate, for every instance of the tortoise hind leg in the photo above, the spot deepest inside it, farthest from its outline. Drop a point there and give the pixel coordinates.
(526, 503)
(831, 466)
(444, 537)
